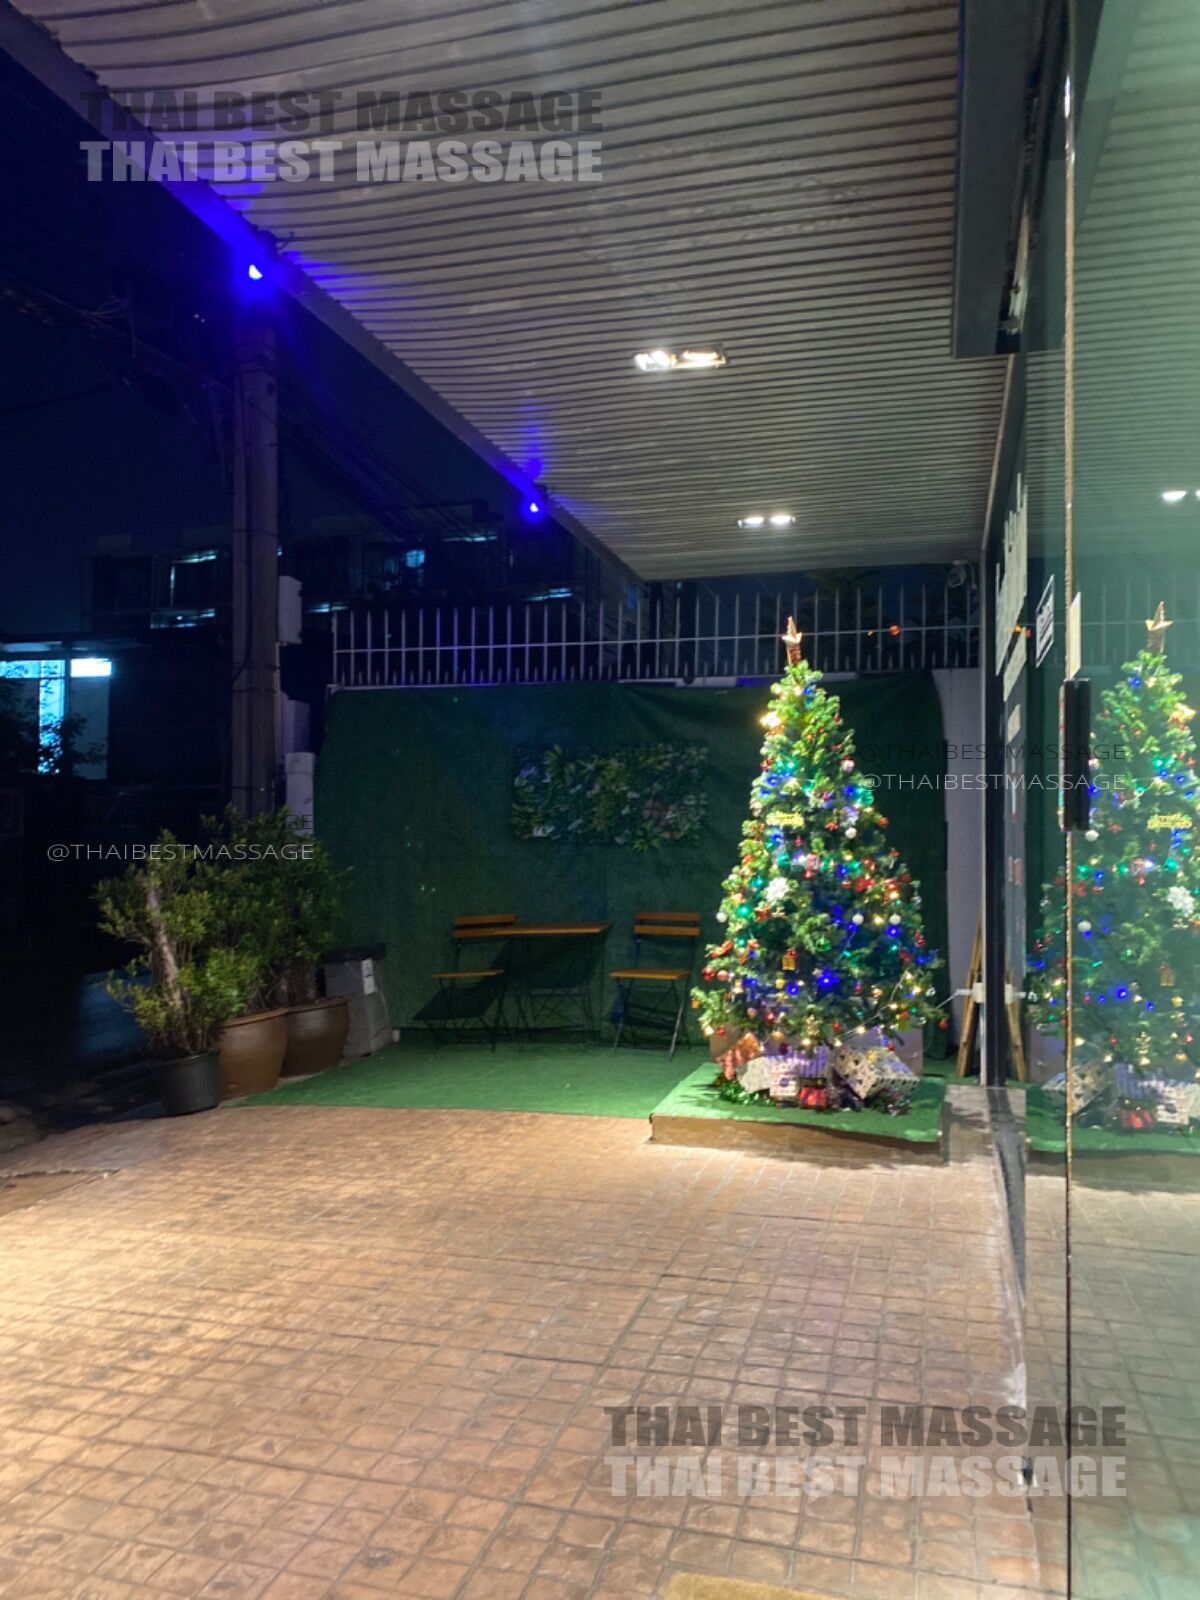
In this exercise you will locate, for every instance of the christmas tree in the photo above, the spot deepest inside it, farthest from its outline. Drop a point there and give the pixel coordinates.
(1135, 890)
(822, 920)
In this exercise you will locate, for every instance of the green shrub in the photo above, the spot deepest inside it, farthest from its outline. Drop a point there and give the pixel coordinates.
(238, 926)
(280, 893)
(189, 978)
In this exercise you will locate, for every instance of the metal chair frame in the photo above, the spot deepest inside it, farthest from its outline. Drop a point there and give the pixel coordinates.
(449, 981)
(568, 1003)
(652, 927)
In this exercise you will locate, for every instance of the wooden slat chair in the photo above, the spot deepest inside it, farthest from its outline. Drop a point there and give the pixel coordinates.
(466, 994)
(666, 987)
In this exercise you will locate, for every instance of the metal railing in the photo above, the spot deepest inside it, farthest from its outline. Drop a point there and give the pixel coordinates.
(862, 628)
(1115, 615)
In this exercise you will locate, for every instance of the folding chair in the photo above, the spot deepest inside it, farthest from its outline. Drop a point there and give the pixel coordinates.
(466, 994)
(556, 987)
(665, 987)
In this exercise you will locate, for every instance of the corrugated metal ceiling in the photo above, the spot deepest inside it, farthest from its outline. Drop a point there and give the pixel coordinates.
(1137, 299)
(778, 181)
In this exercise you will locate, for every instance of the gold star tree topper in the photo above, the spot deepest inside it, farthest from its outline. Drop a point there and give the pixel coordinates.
(1156, 628)
(792, 640)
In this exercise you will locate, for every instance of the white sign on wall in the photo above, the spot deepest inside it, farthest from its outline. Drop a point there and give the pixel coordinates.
(1075, 637)
(1044, 629)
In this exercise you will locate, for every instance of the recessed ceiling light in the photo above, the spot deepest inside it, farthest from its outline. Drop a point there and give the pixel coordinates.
(660, 360)
(777, 519)
(701, 358)
(1174, 496)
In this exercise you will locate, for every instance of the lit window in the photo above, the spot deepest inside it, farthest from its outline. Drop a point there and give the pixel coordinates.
(51, 678)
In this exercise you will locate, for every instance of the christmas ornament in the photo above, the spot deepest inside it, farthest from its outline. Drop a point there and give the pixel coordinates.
(837, 942)
(1134, 893)
(1156, 627)
(791, 639)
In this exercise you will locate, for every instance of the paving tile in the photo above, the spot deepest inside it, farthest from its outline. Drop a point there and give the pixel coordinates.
(387, 1377)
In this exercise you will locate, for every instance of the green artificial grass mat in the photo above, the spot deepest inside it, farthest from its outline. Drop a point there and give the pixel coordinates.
(1044, 1125)
(1045, 1129)
(592, 1082)
(942, 1071)
(696, 1097)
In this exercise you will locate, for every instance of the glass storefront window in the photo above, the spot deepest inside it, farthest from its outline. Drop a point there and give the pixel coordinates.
(1101, 925)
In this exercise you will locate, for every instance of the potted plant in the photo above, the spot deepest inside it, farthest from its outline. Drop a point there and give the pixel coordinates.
(285, 901)
(188, 978)
(250, 1051)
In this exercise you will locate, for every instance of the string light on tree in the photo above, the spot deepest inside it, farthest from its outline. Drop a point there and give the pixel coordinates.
(1135, 891)
(837, 943)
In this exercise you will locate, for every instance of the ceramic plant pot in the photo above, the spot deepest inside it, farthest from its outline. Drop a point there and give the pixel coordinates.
(192, 1083)
(252, 1050)
(316, 1036)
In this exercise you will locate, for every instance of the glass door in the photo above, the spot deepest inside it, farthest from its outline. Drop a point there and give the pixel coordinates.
(1132, 913)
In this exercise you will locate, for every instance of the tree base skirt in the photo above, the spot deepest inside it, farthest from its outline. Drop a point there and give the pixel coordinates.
(909, 1046)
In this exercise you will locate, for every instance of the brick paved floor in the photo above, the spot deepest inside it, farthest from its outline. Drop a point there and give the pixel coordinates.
(1135, 1345)
(311, 1353)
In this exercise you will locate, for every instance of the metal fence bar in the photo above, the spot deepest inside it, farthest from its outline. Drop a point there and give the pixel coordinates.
(847, 630)
(372, 645)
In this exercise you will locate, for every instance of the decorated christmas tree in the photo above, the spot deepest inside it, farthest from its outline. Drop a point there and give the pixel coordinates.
(821, 919)
(1135, 891)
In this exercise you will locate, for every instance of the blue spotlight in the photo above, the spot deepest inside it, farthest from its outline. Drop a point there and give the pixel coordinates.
(254, 273)
(534, 508)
